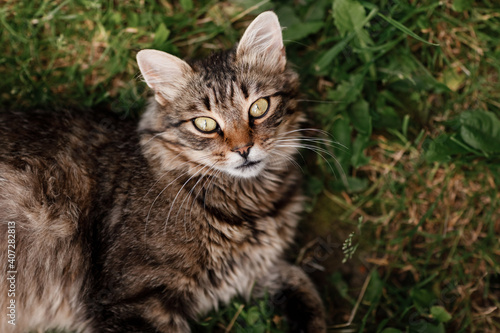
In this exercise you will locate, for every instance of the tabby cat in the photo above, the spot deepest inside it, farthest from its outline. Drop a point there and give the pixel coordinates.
(112, 226)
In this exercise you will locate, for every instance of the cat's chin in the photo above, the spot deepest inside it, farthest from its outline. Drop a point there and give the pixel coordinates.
(248, 170)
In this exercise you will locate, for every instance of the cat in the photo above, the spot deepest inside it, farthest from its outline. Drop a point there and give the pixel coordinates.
(112, 225)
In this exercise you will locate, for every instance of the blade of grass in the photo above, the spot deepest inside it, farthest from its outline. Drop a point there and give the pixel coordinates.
(404, 29)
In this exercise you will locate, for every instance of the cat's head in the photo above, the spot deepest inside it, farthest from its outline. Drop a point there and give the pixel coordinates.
(227, 113)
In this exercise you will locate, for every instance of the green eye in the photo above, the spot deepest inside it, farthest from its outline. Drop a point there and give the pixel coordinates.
(205, 124)
(259, 108)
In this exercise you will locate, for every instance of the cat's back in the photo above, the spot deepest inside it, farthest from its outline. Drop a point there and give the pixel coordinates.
(49, 163)
(41, 134)
(37, 163)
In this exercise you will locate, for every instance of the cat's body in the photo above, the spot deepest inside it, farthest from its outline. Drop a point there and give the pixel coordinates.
(126, 228)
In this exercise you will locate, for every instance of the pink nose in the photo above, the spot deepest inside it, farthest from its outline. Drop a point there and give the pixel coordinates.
(243, 151)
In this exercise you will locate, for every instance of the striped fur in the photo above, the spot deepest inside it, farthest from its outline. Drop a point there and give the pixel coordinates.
(140, 227)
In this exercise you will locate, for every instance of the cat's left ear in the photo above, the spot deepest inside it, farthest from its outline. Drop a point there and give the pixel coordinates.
(163, 72)
(262, 43)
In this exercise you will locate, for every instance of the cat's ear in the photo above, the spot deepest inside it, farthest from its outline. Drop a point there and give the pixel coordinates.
(163, 72)
(262, 43)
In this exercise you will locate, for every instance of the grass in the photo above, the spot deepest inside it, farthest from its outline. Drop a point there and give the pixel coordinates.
(419, 123)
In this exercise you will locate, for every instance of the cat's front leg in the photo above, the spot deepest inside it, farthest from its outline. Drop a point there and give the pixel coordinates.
(292, 290)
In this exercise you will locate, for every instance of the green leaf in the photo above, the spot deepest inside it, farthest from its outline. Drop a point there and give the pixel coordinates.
(317, 10)
(187, 4)
(347, 92)
(480, 130)
(326, 59)
(422, 298)
(440, 314)
(443, 147)
(132, 19)
(355, 185)
(161, 35)
(349, 16)
(423, 326)
(360, 117)
(301, 30)
(314, 185)
(374, 289)
(391, 330)
(253, 315)
(386, 117)
(404, 29)
(341, 131)
(462, 5)
(452, 80)
(358, 157)
(341, 286)
(287, 17)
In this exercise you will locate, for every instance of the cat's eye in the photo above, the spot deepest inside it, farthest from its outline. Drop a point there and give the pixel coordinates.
(259, 108)
(205, 124)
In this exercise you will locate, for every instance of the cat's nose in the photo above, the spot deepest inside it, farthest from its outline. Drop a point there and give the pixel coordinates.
(243, 151)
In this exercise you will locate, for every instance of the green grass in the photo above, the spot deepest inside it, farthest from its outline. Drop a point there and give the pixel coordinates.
(419, 123)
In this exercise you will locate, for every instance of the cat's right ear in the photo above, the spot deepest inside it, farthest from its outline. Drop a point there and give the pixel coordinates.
(262, 43)
(163, 72)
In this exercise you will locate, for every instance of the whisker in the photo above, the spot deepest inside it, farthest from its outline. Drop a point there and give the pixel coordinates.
(204, 186)
(163, 190)
(316, 130)
(154, 137)
(319, 101)
(284, 140)
(325, 142)
(166, 173)
(306, 138)
(288, 158)
(192, 190)
(177, 195)
(209, 187)
(296, 149)
(319, 151)
(308, 130)
(199, 191)
(188, 195)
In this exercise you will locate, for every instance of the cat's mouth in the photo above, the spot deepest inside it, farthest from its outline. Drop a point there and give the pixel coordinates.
(248, 164)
